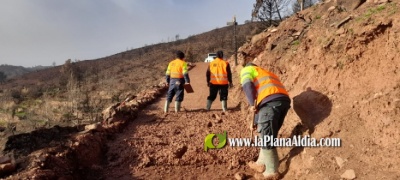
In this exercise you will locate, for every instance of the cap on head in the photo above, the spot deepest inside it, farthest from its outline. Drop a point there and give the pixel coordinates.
(220, 54)
(180, 54)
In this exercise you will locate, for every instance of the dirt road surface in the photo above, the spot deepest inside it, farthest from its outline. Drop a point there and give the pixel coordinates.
(170, 146)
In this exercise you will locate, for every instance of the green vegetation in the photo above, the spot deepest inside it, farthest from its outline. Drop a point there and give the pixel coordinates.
(20, 115)
(373, 11)
(317, 17)
(296, 42)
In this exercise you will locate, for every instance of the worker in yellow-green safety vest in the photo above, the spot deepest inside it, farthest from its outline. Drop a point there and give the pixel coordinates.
(176, 76)
(219, 78)
(272, 104)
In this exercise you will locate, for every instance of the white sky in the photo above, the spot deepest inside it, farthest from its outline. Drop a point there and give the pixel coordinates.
(40, 32)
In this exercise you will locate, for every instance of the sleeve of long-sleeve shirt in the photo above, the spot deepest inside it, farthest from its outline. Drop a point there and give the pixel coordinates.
(185, 72)
(168, 74)
(228, 70)
(208, 74)
(187, 79)
(167, 78)
(246, 79)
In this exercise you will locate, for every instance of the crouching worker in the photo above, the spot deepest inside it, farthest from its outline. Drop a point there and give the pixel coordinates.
(272, 105)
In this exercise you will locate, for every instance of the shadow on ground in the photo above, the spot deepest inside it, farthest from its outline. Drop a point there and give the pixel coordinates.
(312, 107)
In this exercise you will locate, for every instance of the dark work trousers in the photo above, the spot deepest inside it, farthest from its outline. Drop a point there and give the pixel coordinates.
(270, 118)
(176, 88)
(214, 89)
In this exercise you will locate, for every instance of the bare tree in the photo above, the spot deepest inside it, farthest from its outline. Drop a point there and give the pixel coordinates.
(74, 78)
(269, 11)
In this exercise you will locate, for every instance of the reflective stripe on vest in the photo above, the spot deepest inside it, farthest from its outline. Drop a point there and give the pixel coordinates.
(218, 72)
(266, 84)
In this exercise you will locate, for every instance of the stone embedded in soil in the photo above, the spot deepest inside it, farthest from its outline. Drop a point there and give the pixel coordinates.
(331, 8)
(339, 161)
(256, 167)
(348, 174)
(240, 176)
(94, 126)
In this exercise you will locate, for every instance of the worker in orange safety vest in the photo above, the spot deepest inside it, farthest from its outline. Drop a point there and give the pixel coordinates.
(219, 79)
(272, 103)
(176, 76)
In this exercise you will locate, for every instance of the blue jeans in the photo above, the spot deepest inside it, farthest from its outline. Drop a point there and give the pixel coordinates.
(176, 89)
(270, 118)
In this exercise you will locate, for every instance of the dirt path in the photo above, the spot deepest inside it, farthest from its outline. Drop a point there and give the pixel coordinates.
(159, 146)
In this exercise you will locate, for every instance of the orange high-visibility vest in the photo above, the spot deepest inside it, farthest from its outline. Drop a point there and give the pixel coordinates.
(267, 83)
(218, 72)
(177, 68)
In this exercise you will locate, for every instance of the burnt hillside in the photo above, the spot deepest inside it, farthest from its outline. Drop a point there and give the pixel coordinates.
(78, 90)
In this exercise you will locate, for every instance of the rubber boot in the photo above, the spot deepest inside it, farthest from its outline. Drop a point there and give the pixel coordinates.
(271, 161)
(259, 165)
(209, 102)
(224, 105)
(177, 106)
(166, 105)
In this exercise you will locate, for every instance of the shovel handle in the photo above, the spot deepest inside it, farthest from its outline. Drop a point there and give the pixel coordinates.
(252, 120)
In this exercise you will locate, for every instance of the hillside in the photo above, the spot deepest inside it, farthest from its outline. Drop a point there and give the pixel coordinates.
(14, 71)
(337, 59)
(77, 92)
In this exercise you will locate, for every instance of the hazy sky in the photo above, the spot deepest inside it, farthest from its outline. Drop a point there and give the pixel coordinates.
(40, 32)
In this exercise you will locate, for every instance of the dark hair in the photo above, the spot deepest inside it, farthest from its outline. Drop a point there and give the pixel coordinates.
(220, 54)
(180, 54)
